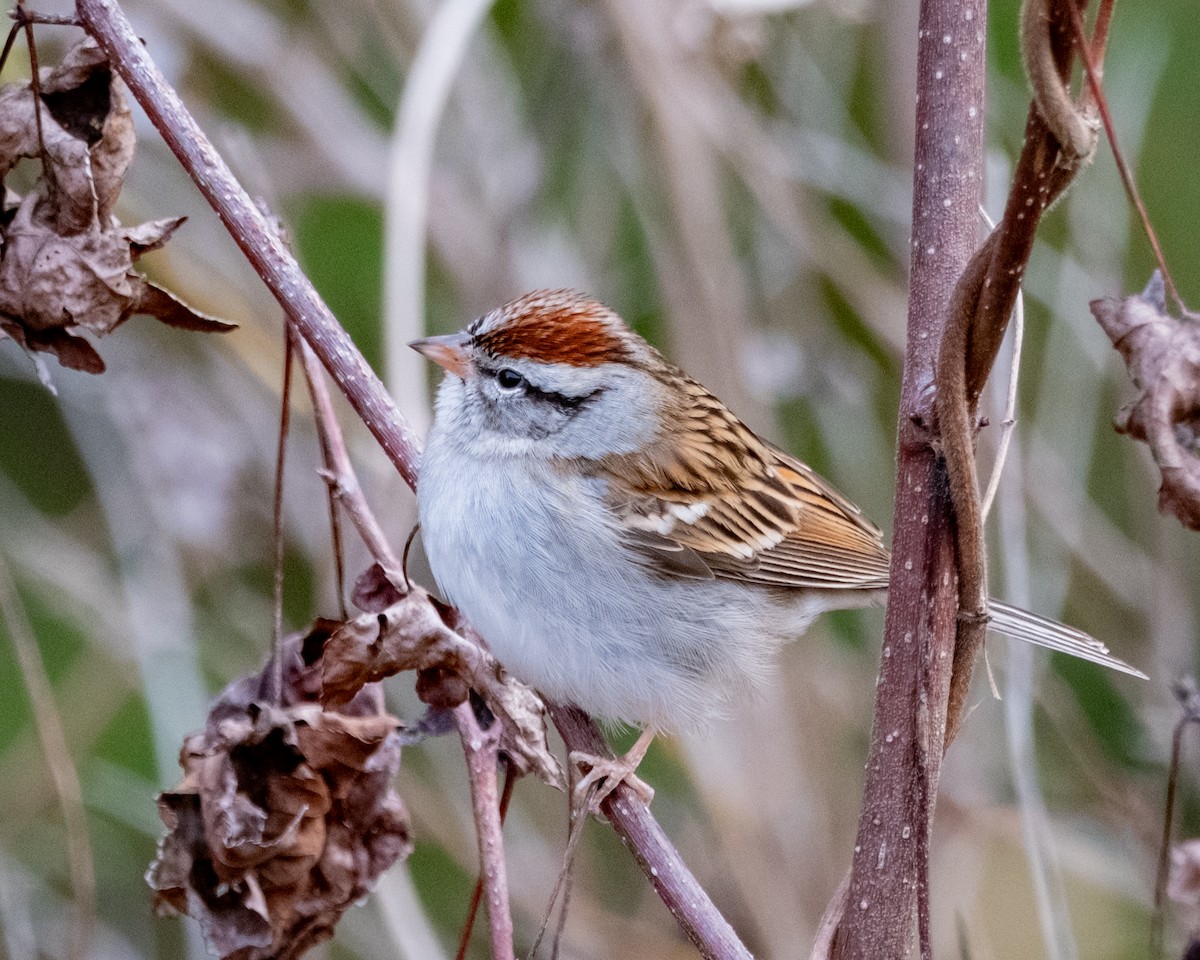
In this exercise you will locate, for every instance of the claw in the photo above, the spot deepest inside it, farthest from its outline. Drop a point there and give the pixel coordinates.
(605, 774)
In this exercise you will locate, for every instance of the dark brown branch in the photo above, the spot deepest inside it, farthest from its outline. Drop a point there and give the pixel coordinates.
(366, 394)
(1044, 170)
(1057, 147)
(1189, 702)
(275, 674)
(888, 873)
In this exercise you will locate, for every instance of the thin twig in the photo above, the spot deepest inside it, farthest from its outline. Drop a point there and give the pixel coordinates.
(464, 941)
(567, 887)
(482, 752)
(1100, 33)
(58, 759)
(1092, 72)
(10, 40)
(329, 436)
(693, 909)
(275, 694)
(23, 16)
(35, 84)
(827, 929)
(577, 817)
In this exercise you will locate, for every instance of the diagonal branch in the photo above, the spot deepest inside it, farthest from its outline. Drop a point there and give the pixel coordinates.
(659, 860)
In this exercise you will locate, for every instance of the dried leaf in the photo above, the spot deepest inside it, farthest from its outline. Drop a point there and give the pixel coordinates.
(67, 265)
(151, 235)
(165, 307)
(285, 815)
(72, 352)
(1162, 354)
(411, 635)
(375, 589)
(87, 134)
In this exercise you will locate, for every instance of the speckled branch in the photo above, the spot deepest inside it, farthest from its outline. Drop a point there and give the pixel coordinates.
(692, 908)
(888, 882)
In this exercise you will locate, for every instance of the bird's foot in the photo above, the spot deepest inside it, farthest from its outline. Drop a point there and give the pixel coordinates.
(605, 774)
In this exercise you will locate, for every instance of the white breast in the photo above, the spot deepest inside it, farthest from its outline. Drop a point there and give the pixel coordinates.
(533, 560)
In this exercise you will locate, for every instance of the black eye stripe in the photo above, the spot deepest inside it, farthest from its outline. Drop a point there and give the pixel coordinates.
(561, 400)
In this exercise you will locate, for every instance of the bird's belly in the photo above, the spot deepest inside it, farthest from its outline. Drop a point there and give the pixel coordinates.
(536, 566)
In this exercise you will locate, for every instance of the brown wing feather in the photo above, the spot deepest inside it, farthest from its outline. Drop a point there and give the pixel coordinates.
(713, 499)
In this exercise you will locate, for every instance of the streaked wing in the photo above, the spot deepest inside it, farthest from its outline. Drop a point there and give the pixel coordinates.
(712, 499)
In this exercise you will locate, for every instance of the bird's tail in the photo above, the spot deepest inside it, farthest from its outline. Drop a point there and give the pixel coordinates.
(1023, 625)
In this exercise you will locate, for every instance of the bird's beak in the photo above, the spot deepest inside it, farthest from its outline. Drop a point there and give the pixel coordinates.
(452, 351)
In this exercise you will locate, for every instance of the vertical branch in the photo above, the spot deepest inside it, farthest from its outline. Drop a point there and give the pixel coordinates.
(910, 705)
(275, 675)
(482, 752)
(1060, 138)
(329, 437)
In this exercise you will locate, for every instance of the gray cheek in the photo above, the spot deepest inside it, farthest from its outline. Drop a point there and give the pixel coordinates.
(615, 423)
(520, 417)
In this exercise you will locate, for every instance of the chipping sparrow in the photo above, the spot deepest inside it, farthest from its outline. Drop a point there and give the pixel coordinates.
(621, 539)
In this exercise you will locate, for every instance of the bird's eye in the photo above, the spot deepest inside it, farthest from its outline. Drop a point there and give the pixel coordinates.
(509, 379)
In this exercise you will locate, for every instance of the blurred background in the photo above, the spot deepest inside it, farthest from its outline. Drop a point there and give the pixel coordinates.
(733, 177)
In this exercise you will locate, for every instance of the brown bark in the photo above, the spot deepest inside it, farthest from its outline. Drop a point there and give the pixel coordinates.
(918, 648)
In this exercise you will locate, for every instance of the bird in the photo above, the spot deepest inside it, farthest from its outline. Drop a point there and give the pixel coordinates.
(621, 539)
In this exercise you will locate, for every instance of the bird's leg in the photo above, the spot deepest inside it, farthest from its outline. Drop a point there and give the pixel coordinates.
(610, 772)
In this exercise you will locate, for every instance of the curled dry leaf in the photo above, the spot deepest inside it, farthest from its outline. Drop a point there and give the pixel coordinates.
(87, 134)
(410, 634)
(285, 815)
(1162, 354)
(376, 589)
(66, 265)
